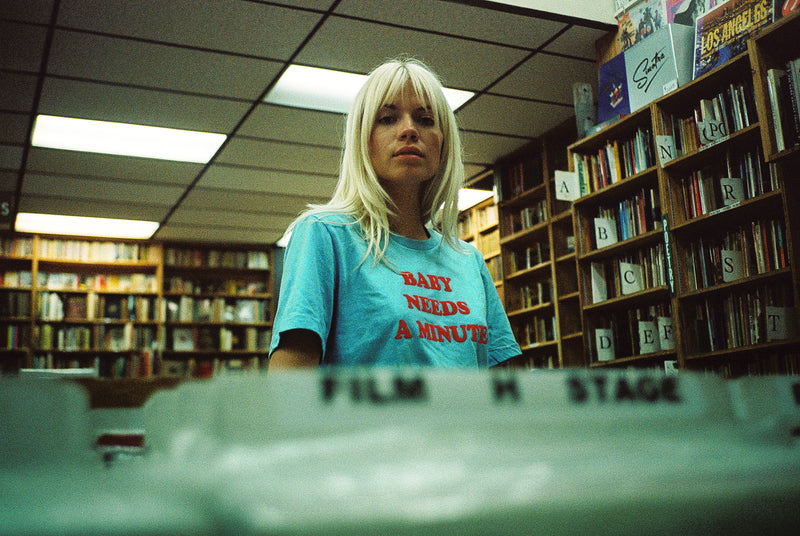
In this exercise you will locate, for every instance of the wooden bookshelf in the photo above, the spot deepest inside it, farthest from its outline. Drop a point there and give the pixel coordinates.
(538, 254)
(710, 222)
(116, 305)
(478, 225)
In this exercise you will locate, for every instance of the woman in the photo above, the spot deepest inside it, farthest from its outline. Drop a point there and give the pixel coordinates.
(367, 280)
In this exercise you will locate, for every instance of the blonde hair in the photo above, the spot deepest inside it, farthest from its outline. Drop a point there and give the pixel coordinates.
(358, 192)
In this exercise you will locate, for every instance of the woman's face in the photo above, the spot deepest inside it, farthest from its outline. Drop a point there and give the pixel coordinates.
(406, 142)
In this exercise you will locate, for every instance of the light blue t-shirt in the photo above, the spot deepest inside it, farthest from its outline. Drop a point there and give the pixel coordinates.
(435, 307)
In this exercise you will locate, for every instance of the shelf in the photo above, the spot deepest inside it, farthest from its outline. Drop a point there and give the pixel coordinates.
(109, 312)
(642, 359)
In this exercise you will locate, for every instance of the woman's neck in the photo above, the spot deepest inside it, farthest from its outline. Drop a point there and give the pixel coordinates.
(408, 228)
(408, 219)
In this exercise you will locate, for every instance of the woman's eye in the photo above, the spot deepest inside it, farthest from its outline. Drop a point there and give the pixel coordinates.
(427, 121)
(385, 119)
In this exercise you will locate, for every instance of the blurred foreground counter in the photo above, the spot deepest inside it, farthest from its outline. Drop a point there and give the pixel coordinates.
(410, 451)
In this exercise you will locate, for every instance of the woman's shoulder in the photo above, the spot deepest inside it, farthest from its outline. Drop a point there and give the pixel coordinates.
(469, 249)
(324, 218)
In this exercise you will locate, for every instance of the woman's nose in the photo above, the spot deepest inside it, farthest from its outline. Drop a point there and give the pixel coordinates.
(408, 129)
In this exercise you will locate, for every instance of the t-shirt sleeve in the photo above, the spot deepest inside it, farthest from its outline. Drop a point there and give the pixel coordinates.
(307, 283)
(502, 344)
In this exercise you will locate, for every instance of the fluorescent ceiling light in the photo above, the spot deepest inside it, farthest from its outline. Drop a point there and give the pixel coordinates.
(28, 222)
(125, 139)
(331, 91)
(468, 197)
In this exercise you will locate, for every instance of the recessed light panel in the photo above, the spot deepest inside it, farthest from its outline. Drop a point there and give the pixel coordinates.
(28, 222)
(331, 91)
(125, 139)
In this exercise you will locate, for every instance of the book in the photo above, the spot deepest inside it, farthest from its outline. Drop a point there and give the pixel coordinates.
(793, 85)
(183, 339)
(780, 100)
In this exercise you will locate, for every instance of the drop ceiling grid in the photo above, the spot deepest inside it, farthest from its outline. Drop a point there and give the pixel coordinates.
(202, 68)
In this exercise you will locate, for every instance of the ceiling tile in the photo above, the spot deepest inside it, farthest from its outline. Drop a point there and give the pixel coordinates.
(514, 117)
(473, 170)
(268, 181)
(54, 161)
(91, 207)
(361, 46)
(33, 10)
(230, 218)
(250, 28)
(281, 156)
(10, 156)
(212, 198)
(8, 181)
(28, 40)
(141, 106)
(578, 41)
(100, 189)
(281, 123)
(480, 148)
(17, 92)
(126, 61)
(215, 235)
(456, 19)
(15, 128)
(547, 77)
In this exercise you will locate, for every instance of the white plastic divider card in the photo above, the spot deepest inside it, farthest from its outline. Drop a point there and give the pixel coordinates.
(410, 451)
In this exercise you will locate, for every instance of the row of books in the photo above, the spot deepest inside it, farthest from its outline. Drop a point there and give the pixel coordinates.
(633, 332)
(742, 318)
(728, 183)
(16, 279)
(758, 364)
(535, 330)
(528, 257)
(237, 287)
(533, 294)
(527, 217)
(639, 270)
(208, 368)
(15, 337)
(98, 337)
(518, 178)
(15, 304)
(487, 216)
(140, 364)
(712, 119)
(495, 267)
(465, 225)
(99, 282)
(747, 250)
(224, 339)
(54, 307)
(97, 251)
(214, 258)
(241, 311)
(489, 243)
(633, 216)
(616, 161)
(16, 247)
(783, 85)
